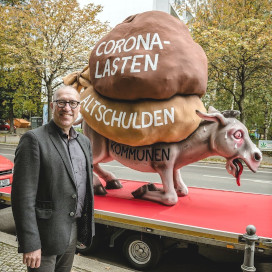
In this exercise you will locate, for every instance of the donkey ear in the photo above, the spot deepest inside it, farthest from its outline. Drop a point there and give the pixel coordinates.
(231, 113)
(214, 117)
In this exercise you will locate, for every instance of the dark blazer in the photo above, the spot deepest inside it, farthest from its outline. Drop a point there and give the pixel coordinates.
(44, 194)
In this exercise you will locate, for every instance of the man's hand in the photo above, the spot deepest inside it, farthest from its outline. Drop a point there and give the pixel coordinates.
(32, 259)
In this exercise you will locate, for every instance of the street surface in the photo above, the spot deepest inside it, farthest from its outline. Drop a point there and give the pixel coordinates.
(204, 175)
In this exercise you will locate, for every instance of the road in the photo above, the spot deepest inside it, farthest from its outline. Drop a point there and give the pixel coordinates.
(205, 175)
(7, 151)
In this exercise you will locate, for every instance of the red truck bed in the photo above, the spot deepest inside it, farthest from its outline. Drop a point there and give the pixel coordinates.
(207, 216)
(204, 208)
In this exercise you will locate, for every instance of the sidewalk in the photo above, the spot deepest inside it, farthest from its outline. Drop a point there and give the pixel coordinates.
(11, 261)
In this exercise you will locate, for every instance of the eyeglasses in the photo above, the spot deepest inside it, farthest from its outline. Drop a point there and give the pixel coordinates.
(62, 103)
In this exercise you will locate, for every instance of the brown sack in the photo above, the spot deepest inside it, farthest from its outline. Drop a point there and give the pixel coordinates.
(143, 122)
(149, 55)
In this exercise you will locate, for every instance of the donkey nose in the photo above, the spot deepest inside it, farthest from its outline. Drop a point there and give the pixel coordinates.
(257, 156)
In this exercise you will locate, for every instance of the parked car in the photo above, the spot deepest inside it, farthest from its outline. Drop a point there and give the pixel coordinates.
(4, 126)
(6, 171)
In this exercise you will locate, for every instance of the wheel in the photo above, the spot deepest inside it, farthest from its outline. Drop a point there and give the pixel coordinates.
(142, 251)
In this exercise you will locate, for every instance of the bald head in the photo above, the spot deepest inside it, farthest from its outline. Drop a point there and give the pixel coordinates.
(65, 107)
(68, 89)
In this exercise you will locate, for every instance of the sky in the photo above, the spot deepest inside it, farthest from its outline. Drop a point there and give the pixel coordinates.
(116, 11)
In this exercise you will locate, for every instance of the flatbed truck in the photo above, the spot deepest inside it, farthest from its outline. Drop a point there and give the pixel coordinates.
(204, 217)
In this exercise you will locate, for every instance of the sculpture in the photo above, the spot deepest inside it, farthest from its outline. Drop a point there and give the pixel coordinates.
(218, 134)
(141, 104)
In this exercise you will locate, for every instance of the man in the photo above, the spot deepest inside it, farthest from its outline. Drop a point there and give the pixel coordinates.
(52, 193)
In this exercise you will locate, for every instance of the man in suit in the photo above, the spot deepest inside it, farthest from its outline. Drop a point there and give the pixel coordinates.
(52, 192)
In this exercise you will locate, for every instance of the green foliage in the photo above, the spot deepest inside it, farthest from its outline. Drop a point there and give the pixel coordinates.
(236, 36)
(80, 130)
(20, 92)
(11, 2)
(48, 38)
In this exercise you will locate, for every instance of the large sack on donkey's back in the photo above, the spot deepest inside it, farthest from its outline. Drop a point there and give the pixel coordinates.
(149, 55)
(138, 123)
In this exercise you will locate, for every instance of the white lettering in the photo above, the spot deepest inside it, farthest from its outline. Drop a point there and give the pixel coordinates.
(132, 46)
(153, 65)
(100, 113)
(170, 115)
(118, 45)
(145, 43)
(86, 108)
(157, 118)
(98, 53)
(118, 119)
(105, 49)
(96, 103)
(134, 63)
(132, 42)
(85, 100)
(129, 121)
(150, 116)
(134, 121)
(156, 40)
(114, 66)
(125, 59)
(104, 118)
(96, 70)
(107, 68)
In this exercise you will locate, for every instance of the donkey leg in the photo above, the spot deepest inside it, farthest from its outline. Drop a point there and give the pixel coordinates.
(167, 196)
(111, 181)
(98, 187)
(180, 186)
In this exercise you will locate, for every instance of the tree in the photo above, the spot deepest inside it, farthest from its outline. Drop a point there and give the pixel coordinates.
(259, 106)
(19, 88)
(11, 2)
(19, 94)
(236, 36)
(51, 38)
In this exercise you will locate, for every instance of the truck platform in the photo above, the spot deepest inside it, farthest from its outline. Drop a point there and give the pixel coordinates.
(206, 216)
(209, 216)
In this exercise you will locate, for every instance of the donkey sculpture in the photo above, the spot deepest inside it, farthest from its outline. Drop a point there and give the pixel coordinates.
(219, 133)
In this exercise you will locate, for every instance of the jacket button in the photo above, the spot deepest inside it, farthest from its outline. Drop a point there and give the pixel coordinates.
(74, 196)
(71, 213)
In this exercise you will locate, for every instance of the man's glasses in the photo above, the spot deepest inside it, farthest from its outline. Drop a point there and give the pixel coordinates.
(62, 103)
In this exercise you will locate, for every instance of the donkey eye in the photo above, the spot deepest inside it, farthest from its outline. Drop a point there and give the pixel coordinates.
(238, 134)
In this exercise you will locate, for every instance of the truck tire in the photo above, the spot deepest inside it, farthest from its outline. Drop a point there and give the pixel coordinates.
(142, 251)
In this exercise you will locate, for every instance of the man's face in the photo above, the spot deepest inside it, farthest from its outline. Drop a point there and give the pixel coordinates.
(65, 117)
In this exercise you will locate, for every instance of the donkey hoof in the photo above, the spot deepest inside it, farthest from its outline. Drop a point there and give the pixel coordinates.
(182, 192)
(140, 191)
(113, 184)
(99, 190)
(152, 187)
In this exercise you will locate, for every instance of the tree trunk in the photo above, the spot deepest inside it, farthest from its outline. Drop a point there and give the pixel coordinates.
(234, 92)
(242, 96)
(11, 116)
(49, 99)
(267, 121)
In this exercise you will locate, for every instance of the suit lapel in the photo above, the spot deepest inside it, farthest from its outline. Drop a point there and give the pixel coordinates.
(57, 142)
